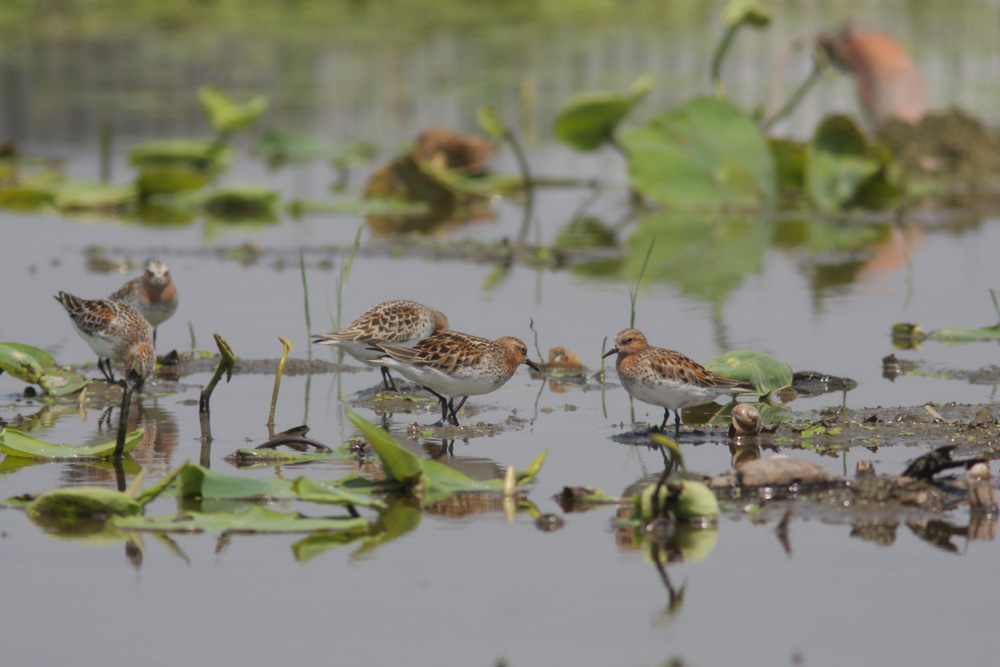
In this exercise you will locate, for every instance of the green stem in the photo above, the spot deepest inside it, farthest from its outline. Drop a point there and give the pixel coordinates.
(277, 383)
(795, 99)
(720, 53)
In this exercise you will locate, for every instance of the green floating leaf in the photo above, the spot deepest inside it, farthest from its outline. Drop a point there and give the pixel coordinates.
(762, 370)
(195, 481)
(31, 364)
(82, 196)
(82, 502)
(707, 154)
(332, 493)
(790, 159)
(842, 162)
(200, 155)
(18, 444)
(225, 115)
(27, 197)
(958, 335)
(253, 520)
(588, 121)
(170, 179)
(400, 464)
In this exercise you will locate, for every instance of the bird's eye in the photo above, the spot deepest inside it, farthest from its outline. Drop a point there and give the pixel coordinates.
(524, 351)
(629, 340)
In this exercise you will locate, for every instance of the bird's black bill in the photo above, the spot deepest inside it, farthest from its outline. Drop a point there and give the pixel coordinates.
(607, 354)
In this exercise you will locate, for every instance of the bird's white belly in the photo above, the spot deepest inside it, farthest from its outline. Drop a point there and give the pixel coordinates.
(671, 395)
(462, 384)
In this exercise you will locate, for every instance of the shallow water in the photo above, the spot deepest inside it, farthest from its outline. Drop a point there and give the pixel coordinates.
(474, 589)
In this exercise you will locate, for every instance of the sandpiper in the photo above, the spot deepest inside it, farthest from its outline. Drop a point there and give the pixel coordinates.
(400, 323)
(115, 331)
(453, 364)
(667, 378)
(153, 294)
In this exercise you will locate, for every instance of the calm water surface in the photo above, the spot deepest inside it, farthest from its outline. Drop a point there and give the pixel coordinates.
(475, 589)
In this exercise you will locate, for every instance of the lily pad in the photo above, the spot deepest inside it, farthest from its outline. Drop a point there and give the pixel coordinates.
(84, 502)
(588, 121)
(201, 155)
(83, 196)
(706, 154)
(170, 179)
(16, 443)
(39, 367)
(762, 370)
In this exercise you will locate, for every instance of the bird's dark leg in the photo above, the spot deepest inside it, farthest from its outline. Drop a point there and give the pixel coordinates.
(455, 409)
(444, 405)
(677, 424)
(104, 365)
(387, 379)
(666, 417)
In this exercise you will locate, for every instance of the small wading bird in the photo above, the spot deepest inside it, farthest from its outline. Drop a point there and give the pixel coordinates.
(453, 364)
(116, 332)
(400, 323)
(667, 378)
(153, 294)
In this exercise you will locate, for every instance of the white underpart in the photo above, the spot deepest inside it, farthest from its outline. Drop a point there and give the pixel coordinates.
(464, 382)
(360, 351)
(102, 347)
(672, 394)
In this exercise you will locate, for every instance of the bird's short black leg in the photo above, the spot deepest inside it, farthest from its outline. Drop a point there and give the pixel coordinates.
(444, 405)
(455, 409)
(387, 379)
(104, 365)
(677, 424)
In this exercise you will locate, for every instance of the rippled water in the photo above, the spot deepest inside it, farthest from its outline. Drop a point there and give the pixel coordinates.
(473, 589)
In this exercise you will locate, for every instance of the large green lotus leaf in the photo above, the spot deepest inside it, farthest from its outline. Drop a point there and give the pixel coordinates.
(332, 493)
(716, 414)
(37, 366)
(707, 256)
(762, 370)
(198, 154)
(790, 158)
(16, 443)
(226, 116)
(169, 179)
(82, 502)
(589, 120)
(194, 481)
(841, 159)
(707, 154)
(253, 520)
(400, 464)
